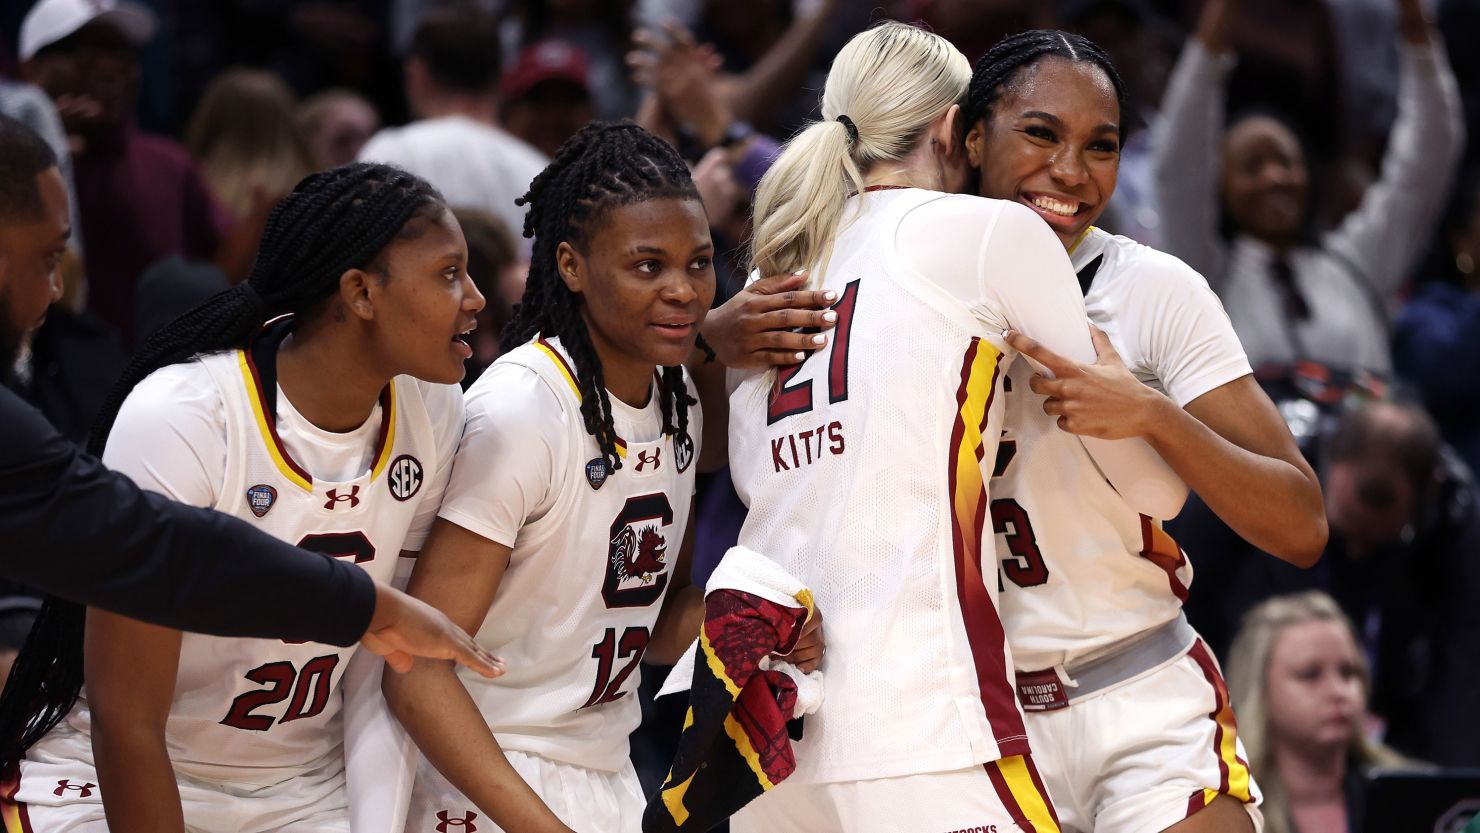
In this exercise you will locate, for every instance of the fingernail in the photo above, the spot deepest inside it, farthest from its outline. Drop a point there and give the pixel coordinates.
(829, 316)
(819, 339)
(800, 356)
(800, 272)
(830, 295)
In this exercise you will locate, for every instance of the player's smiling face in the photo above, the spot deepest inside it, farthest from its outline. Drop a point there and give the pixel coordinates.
(427, 303)
(1052, 142)
(646, 279)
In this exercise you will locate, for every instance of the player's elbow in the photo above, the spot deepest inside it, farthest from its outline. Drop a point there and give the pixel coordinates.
(1303, 545)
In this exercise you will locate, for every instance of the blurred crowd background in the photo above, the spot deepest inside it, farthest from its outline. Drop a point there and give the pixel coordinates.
(1328, 152)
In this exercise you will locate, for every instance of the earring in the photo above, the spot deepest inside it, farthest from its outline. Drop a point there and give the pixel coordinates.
(1464, 263)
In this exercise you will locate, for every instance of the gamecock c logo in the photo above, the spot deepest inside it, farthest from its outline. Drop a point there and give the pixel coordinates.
(637, 553)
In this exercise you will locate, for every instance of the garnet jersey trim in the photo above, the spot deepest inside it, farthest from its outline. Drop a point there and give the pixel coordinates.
(266, 421)
(979, 370)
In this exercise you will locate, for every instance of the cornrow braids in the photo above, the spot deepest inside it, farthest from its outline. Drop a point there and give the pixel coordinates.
(333, 221)
(998, 70)
(604, 166)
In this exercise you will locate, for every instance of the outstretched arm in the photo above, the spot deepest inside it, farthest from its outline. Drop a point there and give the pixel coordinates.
(1230, 445)
(1387, 233)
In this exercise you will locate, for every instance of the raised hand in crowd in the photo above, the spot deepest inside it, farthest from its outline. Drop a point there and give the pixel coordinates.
(1215, 24)
(682, 77)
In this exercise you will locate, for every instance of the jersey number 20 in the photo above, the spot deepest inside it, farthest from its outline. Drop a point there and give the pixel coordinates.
(308, 686)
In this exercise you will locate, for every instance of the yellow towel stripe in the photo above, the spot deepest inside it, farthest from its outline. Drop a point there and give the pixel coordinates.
(673, 800)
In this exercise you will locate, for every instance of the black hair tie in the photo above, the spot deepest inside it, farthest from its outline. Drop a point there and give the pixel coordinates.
(851, 128)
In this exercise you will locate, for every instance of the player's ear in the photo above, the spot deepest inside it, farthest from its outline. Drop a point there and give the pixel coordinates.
(354, 293)
(946, 131)
(976, 137)
(572, 267)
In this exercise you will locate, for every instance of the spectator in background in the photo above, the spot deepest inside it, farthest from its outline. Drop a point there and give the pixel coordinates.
(1300, 687)
(141, 196)
(31, 106)
(1403, 563)
(245, 136)
(1436, 342)
(546, 95)
(498, 269)
(336, 123)
(602, 29)
(456, 142)
(1247, 225)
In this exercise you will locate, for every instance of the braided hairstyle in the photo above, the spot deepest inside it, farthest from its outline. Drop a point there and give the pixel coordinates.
(333, 221)
(604, 166)
(999, 69)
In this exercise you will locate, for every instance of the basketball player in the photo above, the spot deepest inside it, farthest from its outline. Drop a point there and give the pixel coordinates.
(862, 467)
(1127, 710)
(563, 538)
(333, 427)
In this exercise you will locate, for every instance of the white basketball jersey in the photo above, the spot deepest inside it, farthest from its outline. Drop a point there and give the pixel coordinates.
(259, 711)
(593, 552)
(1081, 569)
(862, 470)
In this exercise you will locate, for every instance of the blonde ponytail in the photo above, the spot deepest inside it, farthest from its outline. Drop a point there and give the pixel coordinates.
(891, 82)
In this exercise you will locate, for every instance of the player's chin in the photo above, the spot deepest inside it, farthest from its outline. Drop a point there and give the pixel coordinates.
(449, 371)
(668, 352)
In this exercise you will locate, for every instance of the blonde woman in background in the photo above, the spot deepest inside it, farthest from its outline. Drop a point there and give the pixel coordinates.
(1300, 686)
(863, 466)
(245, 135)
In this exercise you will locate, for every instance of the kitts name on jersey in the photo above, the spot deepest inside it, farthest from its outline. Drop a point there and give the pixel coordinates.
(803, 448)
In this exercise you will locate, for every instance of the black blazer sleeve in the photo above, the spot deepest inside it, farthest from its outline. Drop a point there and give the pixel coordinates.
(73, 528)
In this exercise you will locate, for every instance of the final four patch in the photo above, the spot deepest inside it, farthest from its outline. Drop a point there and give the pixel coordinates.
(260, 499)
(596, 472)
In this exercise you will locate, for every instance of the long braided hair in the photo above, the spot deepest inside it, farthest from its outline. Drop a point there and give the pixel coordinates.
(998, 70)
(604, 166)
(333, 221)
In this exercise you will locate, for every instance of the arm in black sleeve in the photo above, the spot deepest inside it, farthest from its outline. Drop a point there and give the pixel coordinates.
(72, 528)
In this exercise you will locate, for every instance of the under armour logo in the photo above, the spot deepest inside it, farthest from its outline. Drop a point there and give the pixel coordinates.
(464, 824)
(84, 790)
(334, 497)
(643, 459)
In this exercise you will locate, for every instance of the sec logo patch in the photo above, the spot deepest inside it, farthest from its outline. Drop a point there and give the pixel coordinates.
(404, 477)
